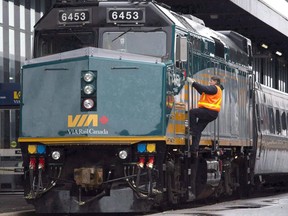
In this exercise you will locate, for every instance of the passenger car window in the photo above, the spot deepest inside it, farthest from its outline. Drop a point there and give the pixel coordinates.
(287, 120)
(271, 120)
(284, 125)
(278, 125)
(258, 118)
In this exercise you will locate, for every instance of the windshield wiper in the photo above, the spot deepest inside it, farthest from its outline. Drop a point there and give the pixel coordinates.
(122, 34)
(151, 30)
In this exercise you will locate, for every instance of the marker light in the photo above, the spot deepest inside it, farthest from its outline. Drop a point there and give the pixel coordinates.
(151, 147)
(141, 148)
(88, 77)
(123, 154)
(141, 162)
(88, 103)
(32, 149)
(41, 149)
(41, 164)
(56, 155)
(150, 163)
(32, 163)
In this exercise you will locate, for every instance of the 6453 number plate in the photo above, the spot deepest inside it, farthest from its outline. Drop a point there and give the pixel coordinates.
(74, 16)
(125, 15)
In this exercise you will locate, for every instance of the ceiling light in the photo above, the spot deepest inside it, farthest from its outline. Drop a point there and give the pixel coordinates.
(278, 53)
(265, 46)
(214, 16)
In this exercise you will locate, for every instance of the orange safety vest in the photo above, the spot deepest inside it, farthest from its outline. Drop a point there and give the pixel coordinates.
(211, 102)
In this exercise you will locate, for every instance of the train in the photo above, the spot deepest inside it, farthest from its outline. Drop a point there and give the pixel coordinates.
(105, 106)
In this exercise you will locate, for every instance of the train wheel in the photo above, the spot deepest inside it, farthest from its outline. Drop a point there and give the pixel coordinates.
(174, 185)
(244, 189)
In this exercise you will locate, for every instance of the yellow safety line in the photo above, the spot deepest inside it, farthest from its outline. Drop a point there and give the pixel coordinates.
(90, 140)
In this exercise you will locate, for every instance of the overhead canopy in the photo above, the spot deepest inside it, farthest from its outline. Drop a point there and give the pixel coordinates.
(253, 19)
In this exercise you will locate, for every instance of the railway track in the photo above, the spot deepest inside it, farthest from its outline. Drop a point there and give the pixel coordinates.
(270, 199)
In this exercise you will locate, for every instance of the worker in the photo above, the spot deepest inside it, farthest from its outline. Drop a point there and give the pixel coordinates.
(208, 109)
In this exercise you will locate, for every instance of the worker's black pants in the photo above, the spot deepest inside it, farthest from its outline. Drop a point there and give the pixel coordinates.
(199, 119)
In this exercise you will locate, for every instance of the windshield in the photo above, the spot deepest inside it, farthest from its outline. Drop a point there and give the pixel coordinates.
(145, 43)
(51, 43)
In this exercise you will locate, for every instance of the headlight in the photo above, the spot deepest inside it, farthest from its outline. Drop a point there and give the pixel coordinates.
(88, 77)
(56, 155)
(89, 89)
(123, 154)
(88, 103)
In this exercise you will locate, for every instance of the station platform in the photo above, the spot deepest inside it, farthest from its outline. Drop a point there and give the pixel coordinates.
(14, 203)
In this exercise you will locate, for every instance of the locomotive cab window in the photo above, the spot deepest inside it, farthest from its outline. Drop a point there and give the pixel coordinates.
(51, 43)
(145, 43)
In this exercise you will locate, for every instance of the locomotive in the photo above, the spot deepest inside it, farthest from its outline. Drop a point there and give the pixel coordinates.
(104, 111)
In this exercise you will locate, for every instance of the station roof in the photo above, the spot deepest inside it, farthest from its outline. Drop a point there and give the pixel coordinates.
(253, 19)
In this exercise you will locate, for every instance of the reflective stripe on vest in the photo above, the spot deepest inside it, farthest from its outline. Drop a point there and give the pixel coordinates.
(211, 102)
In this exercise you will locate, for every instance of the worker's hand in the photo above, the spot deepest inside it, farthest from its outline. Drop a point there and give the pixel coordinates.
(190, 80)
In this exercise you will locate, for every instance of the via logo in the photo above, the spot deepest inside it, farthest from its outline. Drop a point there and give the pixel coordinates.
(84, 120)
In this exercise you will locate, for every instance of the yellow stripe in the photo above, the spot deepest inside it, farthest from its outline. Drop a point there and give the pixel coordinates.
(226, 142)
(175, 141)
(90, 140)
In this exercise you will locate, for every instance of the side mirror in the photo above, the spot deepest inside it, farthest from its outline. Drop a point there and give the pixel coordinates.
(181, 49)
